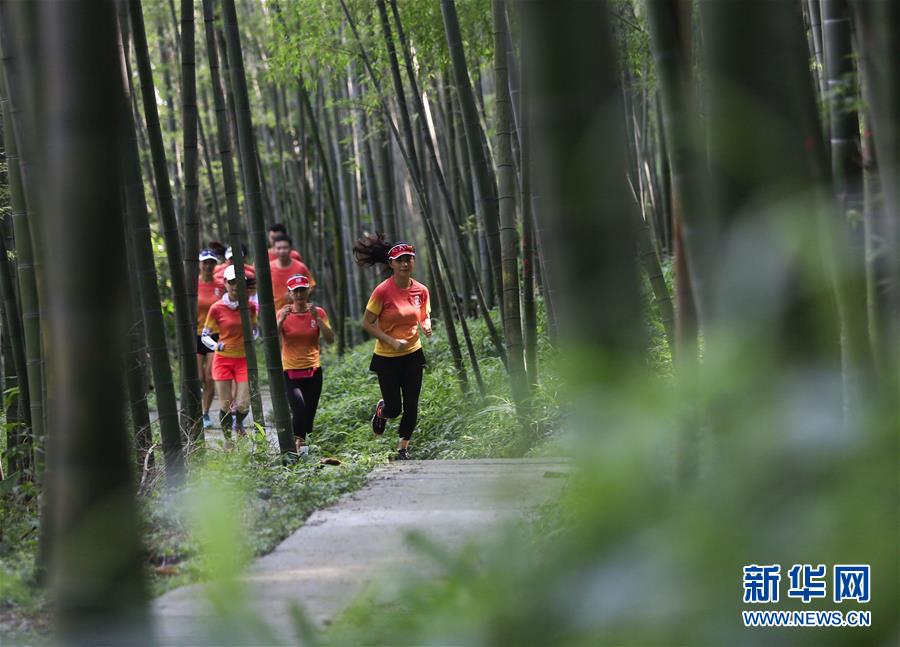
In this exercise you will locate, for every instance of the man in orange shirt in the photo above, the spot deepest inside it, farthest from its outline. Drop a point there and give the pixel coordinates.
(280, 230)
(283, 268)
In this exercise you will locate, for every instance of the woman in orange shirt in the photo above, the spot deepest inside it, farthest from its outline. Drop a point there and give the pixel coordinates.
(209, 290)
(230, 361)
(398, 307)
(301, 324)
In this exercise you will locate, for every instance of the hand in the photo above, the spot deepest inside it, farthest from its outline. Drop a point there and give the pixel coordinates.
(220, 346)
(283, 314)
(314, 311)
(399, 344)
(426, 327)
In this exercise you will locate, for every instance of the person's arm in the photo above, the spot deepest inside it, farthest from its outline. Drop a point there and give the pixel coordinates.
(254, 320)
(210, 327)
(426, 311)
(282, 316)
(370, 325)
(324, 326)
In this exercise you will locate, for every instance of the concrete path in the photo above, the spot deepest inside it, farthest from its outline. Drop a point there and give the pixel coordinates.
(325, 564)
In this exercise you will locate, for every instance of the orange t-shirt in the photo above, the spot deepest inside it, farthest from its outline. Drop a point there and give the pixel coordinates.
(219, 272)
(227, 322)
(399, 314)
(207, 294)
(294, 254)
(280, 276)
(300, 340)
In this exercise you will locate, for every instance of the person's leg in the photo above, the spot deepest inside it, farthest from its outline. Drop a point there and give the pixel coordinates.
(222, 374)
(242, 394)
(312, 389)
(241, 405)
(223, 390)
(209, 388)
(389, 381)
(410, 386)
(298, 410)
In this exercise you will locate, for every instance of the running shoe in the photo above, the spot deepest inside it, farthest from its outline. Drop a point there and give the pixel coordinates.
(207, 422)
(378, 421)
(403, 455)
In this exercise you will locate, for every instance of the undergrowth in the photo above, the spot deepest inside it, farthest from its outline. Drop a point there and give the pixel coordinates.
(270, 500)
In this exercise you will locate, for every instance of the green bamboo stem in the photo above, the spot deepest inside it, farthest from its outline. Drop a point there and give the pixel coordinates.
(257, 230)
(185, 333)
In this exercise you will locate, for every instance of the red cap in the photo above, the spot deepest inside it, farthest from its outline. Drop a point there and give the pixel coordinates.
(297, 281)
(401, 249)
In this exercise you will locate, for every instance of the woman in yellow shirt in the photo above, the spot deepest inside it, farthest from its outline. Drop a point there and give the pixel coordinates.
(398, 307)
(301, 324)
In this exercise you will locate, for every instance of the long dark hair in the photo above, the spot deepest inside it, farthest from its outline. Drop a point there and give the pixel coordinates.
(371, 250)
(217, 248)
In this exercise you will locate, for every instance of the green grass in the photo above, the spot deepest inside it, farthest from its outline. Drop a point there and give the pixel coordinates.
(267, 500)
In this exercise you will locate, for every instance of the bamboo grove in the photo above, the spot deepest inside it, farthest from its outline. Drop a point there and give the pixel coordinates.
(538, 151)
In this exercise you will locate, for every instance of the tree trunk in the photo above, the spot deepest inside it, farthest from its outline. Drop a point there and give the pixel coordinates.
(529, 309)
(20, 28)
(233, 210)
(147, 282)
(97, 567)
(474, 137)
(338, 249)
(815, 26)
(191, 219)
(579, 164)
(509, 240)
(846, 175)
(186, 334)
(438, 174)
(257, 231)
(671, 37)
(210, 178)
(879, 52)
(135, 357)
(415, 171)
(16, 455)
(27, 279)
(19, 446)
(784, 161)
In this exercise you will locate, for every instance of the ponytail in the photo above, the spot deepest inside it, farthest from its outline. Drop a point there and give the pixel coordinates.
(372, 249)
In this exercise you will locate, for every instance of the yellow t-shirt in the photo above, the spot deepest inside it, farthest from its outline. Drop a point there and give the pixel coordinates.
(399, 313)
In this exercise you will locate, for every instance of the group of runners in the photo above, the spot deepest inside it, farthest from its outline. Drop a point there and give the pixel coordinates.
(397, 309)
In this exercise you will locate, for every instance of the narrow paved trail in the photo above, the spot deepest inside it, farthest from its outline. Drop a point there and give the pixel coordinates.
(326, 563)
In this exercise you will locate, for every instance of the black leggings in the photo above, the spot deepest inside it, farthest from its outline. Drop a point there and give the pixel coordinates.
(303, 396)
(400, 379)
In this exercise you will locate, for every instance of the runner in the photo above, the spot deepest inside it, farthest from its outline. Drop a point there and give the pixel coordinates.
(301, 324)
(249, 270)
(277, 230)
(209, 290)
(397, 308)
(230, 362)
(284, 267)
